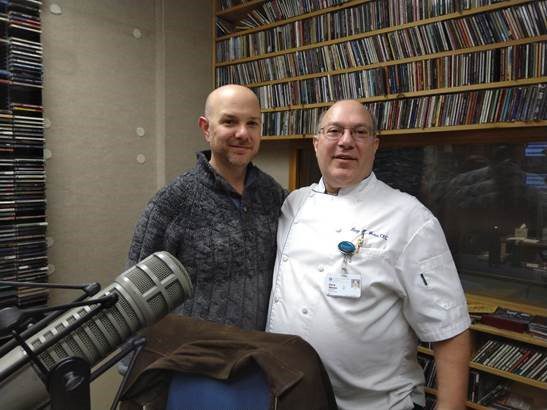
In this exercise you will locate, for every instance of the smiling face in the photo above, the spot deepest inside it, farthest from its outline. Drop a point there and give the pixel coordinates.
(345, 162)
(231, 126)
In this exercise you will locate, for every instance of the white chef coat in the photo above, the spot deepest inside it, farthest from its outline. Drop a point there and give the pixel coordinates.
(409, 287)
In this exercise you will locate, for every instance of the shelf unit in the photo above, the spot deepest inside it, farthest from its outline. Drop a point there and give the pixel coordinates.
(299, 65)
(23, 248)
(533, 389)
(270, 59)
(468, 404)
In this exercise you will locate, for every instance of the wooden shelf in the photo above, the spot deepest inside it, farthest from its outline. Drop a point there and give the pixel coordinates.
(468, 404)
(496, 372)
(520, 337)
(458, 134)
(512, 131)
(407, 60)
(506, 132)
(289, 20)
(285, 137)
(235, 13)
(469, 12)
(510, 376)
(422, 93)
(533, 310)
(513, 336)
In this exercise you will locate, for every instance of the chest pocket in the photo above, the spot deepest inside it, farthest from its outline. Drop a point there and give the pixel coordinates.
(375, 265)
(374, 241)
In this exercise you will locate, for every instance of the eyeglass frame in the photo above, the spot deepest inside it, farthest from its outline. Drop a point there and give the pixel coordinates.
(352, 132)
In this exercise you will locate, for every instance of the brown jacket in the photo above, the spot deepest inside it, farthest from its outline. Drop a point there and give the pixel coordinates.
(295, 374)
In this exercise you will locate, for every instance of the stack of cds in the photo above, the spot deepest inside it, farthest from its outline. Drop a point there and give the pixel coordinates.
(538, 326)
(23, 248)
(25, 61)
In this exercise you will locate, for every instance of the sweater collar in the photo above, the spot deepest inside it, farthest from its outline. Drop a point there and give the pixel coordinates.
(213, 178)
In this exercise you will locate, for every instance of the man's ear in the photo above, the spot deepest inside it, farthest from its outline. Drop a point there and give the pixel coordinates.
(203, 124)
(376, 144)
(315, 142)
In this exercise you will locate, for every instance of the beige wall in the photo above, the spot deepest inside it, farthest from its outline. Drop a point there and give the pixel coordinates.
(99, 87)
(188, 79)
(273, 158)
(101, 84)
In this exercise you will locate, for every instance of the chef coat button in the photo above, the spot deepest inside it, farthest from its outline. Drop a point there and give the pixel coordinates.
(295, 222)
(276, 299)
(320, 268)
(285, 258)
(304, 311)
(339, 230)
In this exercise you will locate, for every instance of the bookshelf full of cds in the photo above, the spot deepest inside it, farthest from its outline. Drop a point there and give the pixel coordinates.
(445, 68)
(22, 172)
(508, 368)
(431, 72)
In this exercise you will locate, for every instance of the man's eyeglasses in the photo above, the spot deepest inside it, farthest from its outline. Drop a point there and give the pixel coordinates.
(334, 133)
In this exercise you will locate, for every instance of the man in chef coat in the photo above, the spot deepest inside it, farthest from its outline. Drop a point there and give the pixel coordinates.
(363, 271)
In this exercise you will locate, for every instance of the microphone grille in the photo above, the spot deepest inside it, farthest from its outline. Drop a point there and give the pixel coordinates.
(146, 292)
(155, 282)
(159, 267)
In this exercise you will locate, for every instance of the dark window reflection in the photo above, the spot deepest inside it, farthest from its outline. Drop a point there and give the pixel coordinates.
(491, 200)
(492, 203)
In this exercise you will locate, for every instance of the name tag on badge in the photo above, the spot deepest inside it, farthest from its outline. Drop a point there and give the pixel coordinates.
(343, 286)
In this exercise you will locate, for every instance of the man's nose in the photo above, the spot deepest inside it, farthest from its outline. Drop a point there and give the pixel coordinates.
(242, 131)
(346, 138)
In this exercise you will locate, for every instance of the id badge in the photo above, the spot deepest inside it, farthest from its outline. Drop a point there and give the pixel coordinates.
(343, 286)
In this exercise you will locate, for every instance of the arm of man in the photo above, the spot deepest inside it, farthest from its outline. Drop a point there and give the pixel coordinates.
(150, 231)
(138, 250)
(436, 307)
(452, 357)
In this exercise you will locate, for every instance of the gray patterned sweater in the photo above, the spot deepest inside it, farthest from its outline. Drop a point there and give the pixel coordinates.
(226, 241)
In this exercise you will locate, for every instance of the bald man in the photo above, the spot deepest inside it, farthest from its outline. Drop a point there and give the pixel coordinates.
(220, 218)
(362, 272)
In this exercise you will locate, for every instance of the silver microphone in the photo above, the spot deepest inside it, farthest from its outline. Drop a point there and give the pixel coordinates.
(146, 293)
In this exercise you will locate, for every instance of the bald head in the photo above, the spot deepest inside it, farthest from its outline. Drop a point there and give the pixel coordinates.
(231, 92)
(231, 125)
(347, 106)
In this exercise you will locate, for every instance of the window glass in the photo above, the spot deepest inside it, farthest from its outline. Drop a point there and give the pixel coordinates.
(491, 200)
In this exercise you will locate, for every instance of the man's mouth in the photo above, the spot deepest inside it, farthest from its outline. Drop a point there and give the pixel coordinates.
(244, 147)
(344, 157)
